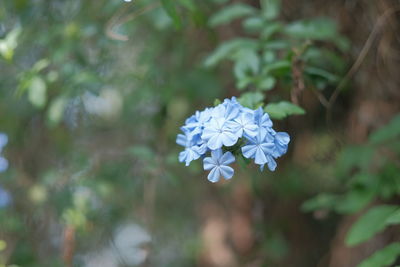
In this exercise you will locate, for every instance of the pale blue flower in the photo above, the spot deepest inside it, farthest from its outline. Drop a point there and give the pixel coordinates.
(263, 121)
(228, 110)
(195, 124)
(217, 163)
(244, 126)
(281, 141)
(223, 125)
(5, 198)
(192, 150)
(271, 164)
(217, 133)
(260, 148)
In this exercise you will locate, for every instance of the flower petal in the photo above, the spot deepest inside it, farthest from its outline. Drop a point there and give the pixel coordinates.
(214, 175)
(271, 163)
(228, 138)
(227, 158)
(249, 151)
(267, 148)
(208, 132)
(182, 156)
(216, 155)
(283, 138)
(260, 157)
(215, 142)
(208, 163)
(181, 140)
(227, 171)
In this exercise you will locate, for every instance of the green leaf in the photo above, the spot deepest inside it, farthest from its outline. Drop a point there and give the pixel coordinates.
(242, 83)
(354, 201)
(283, 109)
(9, 43)
(230, 13)
(370, 223)
(247, 63)
(277, 45)
(383, 257)
(56, 110)
(269, 56)
(3, 245)
(354, 156)
(253, 24)
(37, 92)
(188, 4)
(227, 50)
(251, 99)
(170, 9)
(279, 67)
(266, 83)
(217, 102)
(394, 218)
(270, 29)
(40, 65)
(316, 29)
(387, 132)
(321, 201)
(322, 73)
(270, 8)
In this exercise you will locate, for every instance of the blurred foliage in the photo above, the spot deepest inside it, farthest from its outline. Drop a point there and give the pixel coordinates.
(274, 51)
(93, 92)
(374, 177)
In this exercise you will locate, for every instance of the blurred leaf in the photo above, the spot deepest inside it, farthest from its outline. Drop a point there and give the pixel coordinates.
(321, 201)
(40, 65)
(247, 63)
(321, 73)
(188, 4)
(266, 83)
(217, 102)
(56, 110)
(354, 156)
(387, 132)
(354, 200)
(270, 29)
(383, 257)
(277, 45)
(251, 99)
(370, 223)
(269, 56)
(253, 24)
(283, 109)
(37, 92)
(280, 67)
(74, 217)
(3, 245)
(245, 81)
(220, 1)
(227, 49)
(394, 218)
(169, 7)
(230, 13)
(270, 8)
(316, 29)
(9, 43)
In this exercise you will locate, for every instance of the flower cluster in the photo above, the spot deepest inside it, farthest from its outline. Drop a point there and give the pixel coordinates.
(230, 129)
(3, 143)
